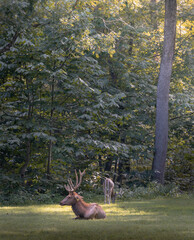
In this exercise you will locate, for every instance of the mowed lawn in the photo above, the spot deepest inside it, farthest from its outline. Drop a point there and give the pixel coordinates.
(158, 219)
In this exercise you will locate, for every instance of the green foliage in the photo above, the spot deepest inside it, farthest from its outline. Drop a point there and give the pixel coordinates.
(180, 170)
(78, 89)
(153, 190)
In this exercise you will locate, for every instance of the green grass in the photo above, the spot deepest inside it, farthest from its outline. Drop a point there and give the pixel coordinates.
(158, 219)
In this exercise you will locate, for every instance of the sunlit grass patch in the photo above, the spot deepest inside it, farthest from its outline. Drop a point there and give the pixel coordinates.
(146, 220)
(118, 210)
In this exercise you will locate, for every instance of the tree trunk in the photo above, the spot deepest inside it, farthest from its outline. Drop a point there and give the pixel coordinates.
(100, 168)
(27, 160)
(49, 157)
(161, 134)
(28, 141)
(51, 123)
(115, 170)
(108, 164)
(120, 173)
(153, 13)
(112, 71)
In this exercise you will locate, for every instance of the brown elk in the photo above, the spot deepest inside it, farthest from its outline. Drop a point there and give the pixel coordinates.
(109, 194)
(81, 209)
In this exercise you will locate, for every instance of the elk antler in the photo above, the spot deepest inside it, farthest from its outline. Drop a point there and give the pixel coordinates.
(70, 187)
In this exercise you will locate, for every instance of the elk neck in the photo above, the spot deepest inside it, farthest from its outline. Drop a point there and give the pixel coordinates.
(79, 207)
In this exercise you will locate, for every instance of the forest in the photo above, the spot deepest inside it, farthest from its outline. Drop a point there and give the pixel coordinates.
(78, 90)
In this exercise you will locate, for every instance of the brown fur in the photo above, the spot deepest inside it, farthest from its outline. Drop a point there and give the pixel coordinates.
(82, 209)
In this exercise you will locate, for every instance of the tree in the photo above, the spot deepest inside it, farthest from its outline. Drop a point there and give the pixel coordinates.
(161, 137)
(78, 88)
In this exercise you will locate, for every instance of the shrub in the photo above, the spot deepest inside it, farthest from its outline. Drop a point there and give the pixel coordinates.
(153, 190)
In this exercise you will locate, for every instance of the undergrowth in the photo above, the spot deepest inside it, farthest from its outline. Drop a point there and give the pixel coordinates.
(153, 190)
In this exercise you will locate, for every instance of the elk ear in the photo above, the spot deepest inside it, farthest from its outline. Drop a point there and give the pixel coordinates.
(77, 198)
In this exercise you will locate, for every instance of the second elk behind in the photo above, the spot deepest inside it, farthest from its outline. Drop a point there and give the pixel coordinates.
(109, 194)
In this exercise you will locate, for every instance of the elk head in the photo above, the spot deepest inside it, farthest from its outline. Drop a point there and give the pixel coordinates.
(73, 197)
(81, 209)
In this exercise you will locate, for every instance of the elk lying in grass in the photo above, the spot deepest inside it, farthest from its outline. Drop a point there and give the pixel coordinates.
(109, 194)
(81, 209)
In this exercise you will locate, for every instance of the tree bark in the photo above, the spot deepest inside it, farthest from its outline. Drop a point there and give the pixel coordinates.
(108, 164)
(51, 124)
(161, 134)
(27, 160)
(115, 170)
(153, 13)
(100, 168)
(28, 141)
(49, 158)
(120, 173)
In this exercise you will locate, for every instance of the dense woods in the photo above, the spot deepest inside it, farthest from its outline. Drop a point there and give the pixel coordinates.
(78, 90)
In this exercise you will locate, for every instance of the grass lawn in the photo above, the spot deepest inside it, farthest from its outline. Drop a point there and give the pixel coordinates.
(158, 219)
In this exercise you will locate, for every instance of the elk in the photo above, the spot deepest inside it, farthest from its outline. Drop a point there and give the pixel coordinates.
(81, 209)
(109, 194)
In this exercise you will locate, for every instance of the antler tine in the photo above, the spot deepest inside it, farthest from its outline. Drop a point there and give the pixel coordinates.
(80, 181)
(76, 178)
(67, 188)
(71, 184)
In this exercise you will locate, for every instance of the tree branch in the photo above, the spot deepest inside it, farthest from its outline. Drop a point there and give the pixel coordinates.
(10, 44)
(182, 116)
(74, 6)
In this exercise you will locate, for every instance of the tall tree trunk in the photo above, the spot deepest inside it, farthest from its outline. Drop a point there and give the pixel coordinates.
(100, 167)
(28, 141)
(51, 123)
(49, 157)
(108, 164)
(115, 170)
(153, 13)
(131, 40)
(120, 173)
(161, 138)
(27, 160)
(112, 71)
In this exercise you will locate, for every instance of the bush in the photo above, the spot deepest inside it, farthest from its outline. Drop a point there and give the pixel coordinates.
(180, 170)
(153, 190)
(13, 191)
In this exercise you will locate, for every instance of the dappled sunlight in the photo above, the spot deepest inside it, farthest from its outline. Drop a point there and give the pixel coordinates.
(113, 212)
(122, 210)
(34, 209)
(134, 220)
(12, 233)
(116, 209)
